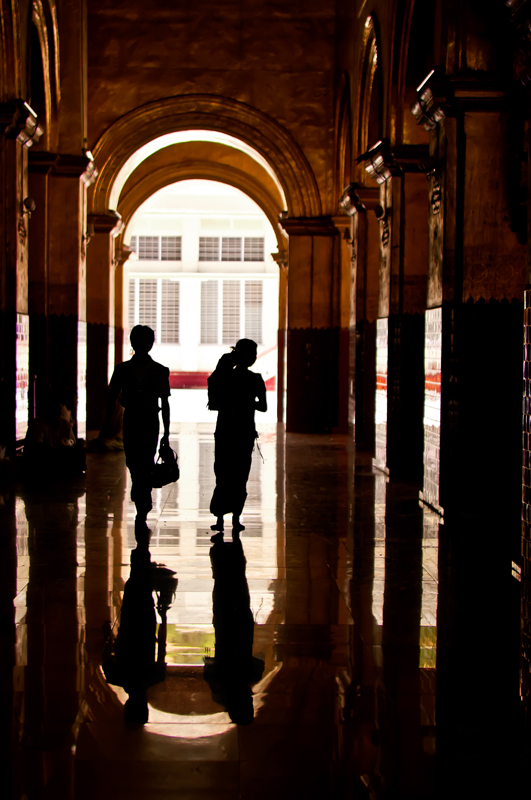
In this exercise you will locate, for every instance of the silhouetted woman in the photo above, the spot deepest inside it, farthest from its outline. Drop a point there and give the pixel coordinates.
(235, 393)
(233, 669)
(139, 385)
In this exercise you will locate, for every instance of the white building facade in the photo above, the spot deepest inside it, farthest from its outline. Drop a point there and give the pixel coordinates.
(202, 276)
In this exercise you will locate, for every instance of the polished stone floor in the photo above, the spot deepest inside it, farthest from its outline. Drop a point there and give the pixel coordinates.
(386, 643)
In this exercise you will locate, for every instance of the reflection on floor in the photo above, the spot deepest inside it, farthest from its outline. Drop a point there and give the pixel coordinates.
(342, 569)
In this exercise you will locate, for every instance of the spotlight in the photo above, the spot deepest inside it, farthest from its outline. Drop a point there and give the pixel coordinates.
(377, 161)
(29, 206)
(425, 109)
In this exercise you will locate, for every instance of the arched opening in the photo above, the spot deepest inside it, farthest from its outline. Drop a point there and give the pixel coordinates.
(418, 60)
(37, 90)
(202, 276)
(370, 128)
(367, 234)
(243, 150)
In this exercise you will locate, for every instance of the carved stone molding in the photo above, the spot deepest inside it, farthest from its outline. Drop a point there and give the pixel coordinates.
(214, 113)
(109, 223)
(308, 226)
(62, 164)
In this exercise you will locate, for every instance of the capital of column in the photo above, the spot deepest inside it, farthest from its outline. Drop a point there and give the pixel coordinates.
(65, 165)
(109, 223)
(308, 226)
(280, 259)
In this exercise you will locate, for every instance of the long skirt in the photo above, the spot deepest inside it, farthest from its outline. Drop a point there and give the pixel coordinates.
(232, 464)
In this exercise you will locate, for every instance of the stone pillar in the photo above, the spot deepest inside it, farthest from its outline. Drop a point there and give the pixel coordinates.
(347, 324)
(360, 202)
(473, 412)
(57, 274)
(100, 311)
(282, 262)
(402, 216)
(18, 130)
(121, 255)
(313, 325)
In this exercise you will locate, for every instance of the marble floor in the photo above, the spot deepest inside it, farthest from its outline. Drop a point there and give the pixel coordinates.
(385, 644)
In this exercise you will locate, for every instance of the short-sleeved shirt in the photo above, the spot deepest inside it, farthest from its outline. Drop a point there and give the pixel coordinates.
(141, 382)
(232, 392)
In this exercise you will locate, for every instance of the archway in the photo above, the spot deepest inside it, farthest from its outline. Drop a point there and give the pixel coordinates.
(202, 276)
(207, 113)
(184, 138)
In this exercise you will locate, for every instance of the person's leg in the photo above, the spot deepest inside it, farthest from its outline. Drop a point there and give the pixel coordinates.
(243, 455)
(220, 502)
(140, 445)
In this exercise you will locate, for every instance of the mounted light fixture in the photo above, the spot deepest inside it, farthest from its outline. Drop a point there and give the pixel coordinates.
(425, 109)
(29, 206)
(29, 130)
(90, 174)
(377, 161)
(350, 200)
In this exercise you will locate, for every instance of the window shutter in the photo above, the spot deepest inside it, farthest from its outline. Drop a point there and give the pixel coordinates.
(209, 312)
(131, 306)
(253, 248)
(169, 323)
(231, 248)
(231, 312)
(209, 248)
(170, 248)
(147, 302)
(148, 248)
(253, 310)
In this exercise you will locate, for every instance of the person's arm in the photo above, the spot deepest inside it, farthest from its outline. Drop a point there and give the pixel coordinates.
(165, 407)
(261, 398)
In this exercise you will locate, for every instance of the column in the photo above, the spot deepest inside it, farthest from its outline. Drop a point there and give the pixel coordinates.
(18, 131)
(313, 325)
(359, 202)
(57, 278)
(403, 264)
(282, 261)
(100, 311)
(472, 468)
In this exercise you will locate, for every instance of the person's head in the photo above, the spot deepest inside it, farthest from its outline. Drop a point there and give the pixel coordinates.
(245, 352)
(142, 338)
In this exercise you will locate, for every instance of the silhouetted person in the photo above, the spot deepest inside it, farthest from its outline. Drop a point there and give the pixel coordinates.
(233, 667)
(134, 665)
(235, 393)
(50, 446)
(139, 384)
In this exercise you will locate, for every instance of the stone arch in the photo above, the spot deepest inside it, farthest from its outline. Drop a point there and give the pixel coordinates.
(343, 126)
(413, 57)
(369, 90)
(207, 112)
(141, 189)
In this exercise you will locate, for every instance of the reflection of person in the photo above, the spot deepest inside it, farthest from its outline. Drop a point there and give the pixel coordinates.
(233, 668)
(133, 664)
(139, 384)
(50, 446)
(235, 393)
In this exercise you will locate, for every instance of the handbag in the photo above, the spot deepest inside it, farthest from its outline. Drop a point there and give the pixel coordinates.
(166, 470)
